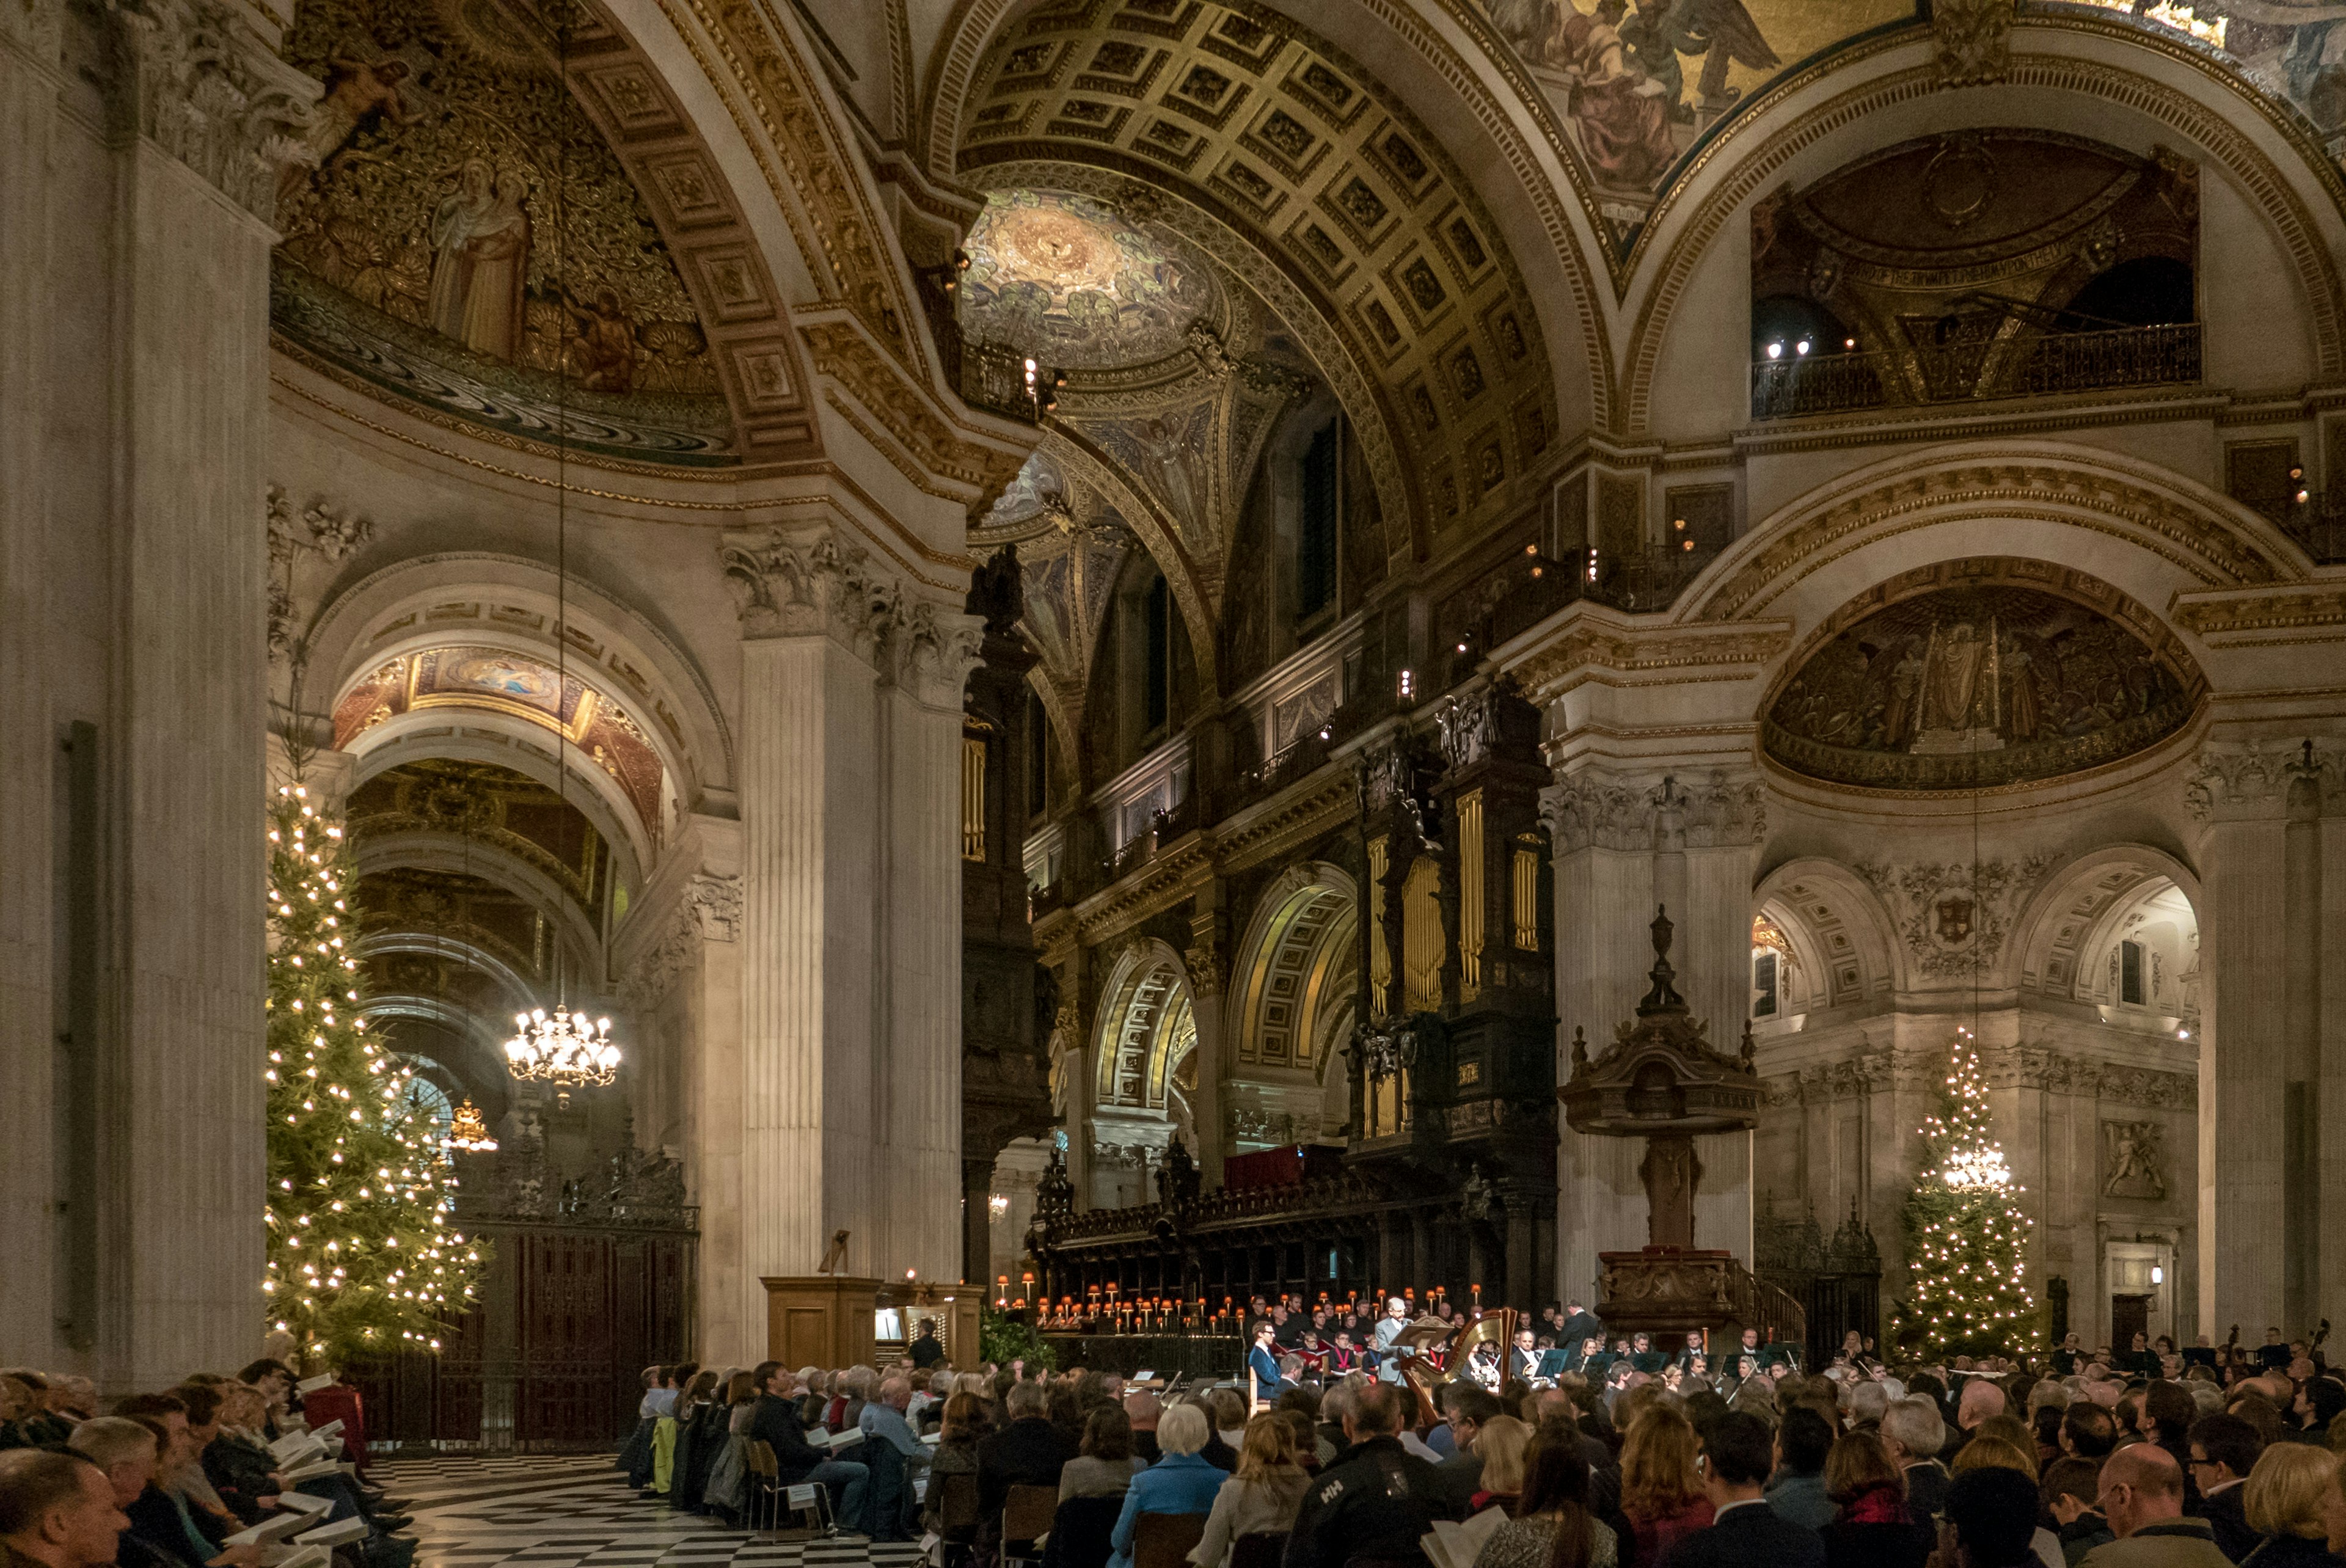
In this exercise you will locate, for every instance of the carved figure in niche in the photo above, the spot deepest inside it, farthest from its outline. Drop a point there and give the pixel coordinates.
(604, 351)
(2133, 1160)
(480, 251)
(357, 91)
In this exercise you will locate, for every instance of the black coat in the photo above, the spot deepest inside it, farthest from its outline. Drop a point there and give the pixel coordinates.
(775, 1423)
(2226, 1513)
(1752, 1536)
(2290, 1552)
(1029, 1451)
(1926, 1494)
(1375, 1501)
(1876, 1545)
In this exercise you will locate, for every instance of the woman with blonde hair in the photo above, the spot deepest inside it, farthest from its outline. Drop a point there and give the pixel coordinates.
(1551, 1527)
(1261, 1497)
(1500, 1443)
(1661, 1492)
(2287, 1496)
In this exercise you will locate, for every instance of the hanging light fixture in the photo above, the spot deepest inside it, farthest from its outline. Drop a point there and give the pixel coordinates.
(563, 1048)
(468, 1133)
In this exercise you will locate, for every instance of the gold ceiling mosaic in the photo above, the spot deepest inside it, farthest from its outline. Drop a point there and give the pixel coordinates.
(1280, 138)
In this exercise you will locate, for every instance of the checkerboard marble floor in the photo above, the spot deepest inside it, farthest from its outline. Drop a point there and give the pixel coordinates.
(575, 1511)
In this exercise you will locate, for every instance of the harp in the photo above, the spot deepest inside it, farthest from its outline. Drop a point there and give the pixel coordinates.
(1424, 1377)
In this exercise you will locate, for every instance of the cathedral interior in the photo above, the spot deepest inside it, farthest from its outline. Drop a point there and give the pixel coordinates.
(1100, 626)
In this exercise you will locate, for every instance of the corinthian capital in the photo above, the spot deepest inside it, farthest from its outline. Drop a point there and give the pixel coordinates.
(198, 81)
(808, 583)
(937, 650)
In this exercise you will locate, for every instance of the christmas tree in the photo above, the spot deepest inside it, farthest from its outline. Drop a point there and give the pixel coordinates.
(362, 1256)
(1966, 1236)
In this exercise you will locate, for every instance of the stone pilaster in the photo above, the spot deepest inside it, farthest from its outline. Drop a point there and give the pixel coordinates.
(851, 987)
(205, 116)
(1622, 843)
(29, 1015)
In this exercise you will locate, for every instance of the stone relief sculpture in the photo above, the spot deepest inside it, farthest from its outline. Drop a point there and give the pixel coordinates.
(2133, 1154)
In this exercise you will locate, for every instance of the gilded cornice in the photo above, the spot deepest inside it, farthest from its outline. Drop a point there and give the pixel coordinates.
(925, 446)
(2037, 486)
(2238, 615)
(1588, 644)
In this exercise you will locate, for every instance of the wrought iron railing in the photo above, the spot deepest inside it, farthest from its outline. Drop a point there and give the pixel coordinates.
(994, 377)
(2024, 364)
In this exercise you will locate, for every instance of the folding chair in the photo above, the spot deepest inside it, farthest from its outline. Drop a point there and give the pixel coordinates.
(1027, 1515)
(957, 1516)
(765, 1478)
(1163, 1540)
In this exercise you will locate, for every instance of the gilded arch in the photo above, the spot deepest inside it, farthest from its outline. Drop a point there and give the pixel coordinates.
(1147, 1025)
(1296, 969)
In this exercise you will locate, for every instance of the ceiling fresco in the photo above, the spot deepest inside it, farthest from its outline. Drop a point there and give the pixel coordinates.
(1979, 674)
(604, 733)
(426, 255)
(1067, 280)
(495, 807)
(1635, 86)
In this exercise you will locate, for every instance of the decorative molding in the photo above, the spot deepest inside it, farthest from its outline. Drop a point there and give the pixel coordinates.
(786, 588)
(1954, 915)
(1594, 809)
(709, 910)
(1910, 1070)
(1970, 41)
(2034, 485)
(714, 904)
(929, 449)
(317, 529)
(199, 83)
(2232, 782)
(2263, 612)
(1592, 645)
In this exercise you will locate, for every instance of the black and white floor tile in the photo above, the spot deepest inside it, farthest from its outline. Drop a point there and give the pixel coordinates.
(575, 1511)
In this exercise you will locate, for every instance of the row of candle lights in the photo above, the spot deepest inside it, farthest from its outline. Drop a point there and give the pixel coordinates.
(1103, 1308)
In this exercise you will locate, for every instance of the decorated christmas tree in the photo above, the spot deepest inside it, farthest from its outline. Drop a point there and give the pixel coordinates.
(362, 1254)
(1965, 1235)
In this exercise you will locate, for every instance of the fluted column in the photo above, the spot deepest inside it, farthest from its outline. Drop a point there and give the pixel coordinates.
(1623, 844)
(851, 969)
(2273, 1039)
(203, 108)
(30, 77)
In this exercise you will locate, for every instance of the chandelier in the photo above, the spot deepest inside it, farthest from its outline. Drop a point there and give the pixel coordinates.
(562, 1047)
(468, 1132)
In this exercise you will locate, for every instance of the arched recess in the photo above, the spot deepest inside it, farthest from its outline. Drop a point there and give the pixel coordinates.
(1147, 1025)
(2109, 81)
(1334, 185)
(464, 1044)
(447, 855)
(1840, 935)
(1295, 969)
(2144, 530)
(1444, 60)
(2065, 934)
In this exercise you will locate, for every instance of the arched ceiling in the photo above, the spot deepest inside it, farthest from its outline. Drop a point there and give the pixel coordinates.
(1326, 190)
(1076, 284)
(503, 812)
(525, 240)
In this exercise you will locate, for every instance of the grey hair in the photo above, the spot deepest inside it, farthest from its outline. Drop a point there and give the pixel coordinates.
(1915, 1425)
(109, 1440)
(1027, 1400)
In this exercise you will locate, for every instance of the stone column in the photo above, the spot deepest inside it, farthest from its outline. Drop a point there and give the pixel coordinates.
(851, 985)
(1686, 839)
(2248, 1252)
(203, 110)
(30, 1019)
(1208, 955)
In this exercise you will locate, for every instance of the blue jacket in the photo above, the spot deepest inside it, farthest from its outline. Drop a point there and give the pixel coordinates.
(1266, 1370)
(1177, 1483)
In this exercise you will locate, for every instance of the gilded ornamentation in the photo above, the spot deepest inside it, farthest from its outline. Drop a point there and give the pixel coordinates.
(1070, 281)
(934, 449)
(201, 85)
(1970, 41)
(1595, 646)
(2288, 611)
(1953, 916)
(1968, 687)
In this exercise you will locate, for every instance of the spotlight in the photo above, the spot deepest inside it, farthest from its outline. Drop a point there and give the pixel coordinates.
(1775, 351)
(1801, 347)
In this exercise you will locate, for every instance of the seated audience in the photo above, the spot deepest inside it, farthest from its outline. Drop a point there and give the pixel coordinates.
(1180, 1482)
(1804, 1438)
(1873, 1524)
(1106, 1466)
(1738, 1452)
(1376, 1497)
(956, 1454)
(1550, 1525)
(58, 1510)
(1991, 1513)
(1662, 1491)
(2142, 1497)
(2220, 1452)
(2287, 1491)
(1261, 1497)
(775, 1421)
(1027, 1452)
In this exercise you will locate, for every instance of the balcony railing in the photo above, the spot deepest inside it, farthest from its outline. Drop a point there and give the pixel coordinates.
(2026, 364)
(990, 376)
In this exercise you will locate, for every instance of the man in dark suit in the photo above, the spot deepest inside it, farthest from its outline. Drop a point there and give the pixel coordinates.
(1744, 1533)
(1029, 1451)
(1458, 1478)
(774, 1421)
(1579, 1324)
(2223, 1450)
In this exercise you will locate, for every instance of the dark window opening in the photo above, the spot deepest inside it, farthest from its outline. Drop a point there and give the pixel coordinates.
(2147, 291)
(1038, 755)
(1763, 985)
(1315, 573)
(1157, 665)
(2130, 973)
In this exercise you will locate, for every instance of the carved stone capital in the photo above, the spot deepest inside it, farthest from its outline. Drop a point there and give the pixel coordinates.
(936, 653)
(1697, 808)
(199, 83)
(31, 28)
(709, 910)
(2245, 783)
(810, 584)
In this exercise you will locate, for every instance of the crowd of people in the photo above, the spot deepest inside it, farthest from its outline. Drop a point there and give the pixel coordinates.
(209, 1474)
(2072, 1457)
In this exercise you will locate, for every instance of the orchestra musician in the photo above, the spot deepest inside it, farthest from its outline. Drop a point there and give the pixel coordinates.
(1389, 1327)
(1524, 1361)
(1483, 1365)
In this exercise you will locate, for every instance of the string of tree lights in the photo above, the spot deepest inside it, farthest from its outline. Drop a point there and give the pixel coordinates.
(1966, 1236)
(363, 1252)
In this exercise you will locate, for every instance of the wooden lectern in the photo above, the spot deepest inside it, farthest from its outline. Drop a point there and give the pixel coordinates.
(820, 1319)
